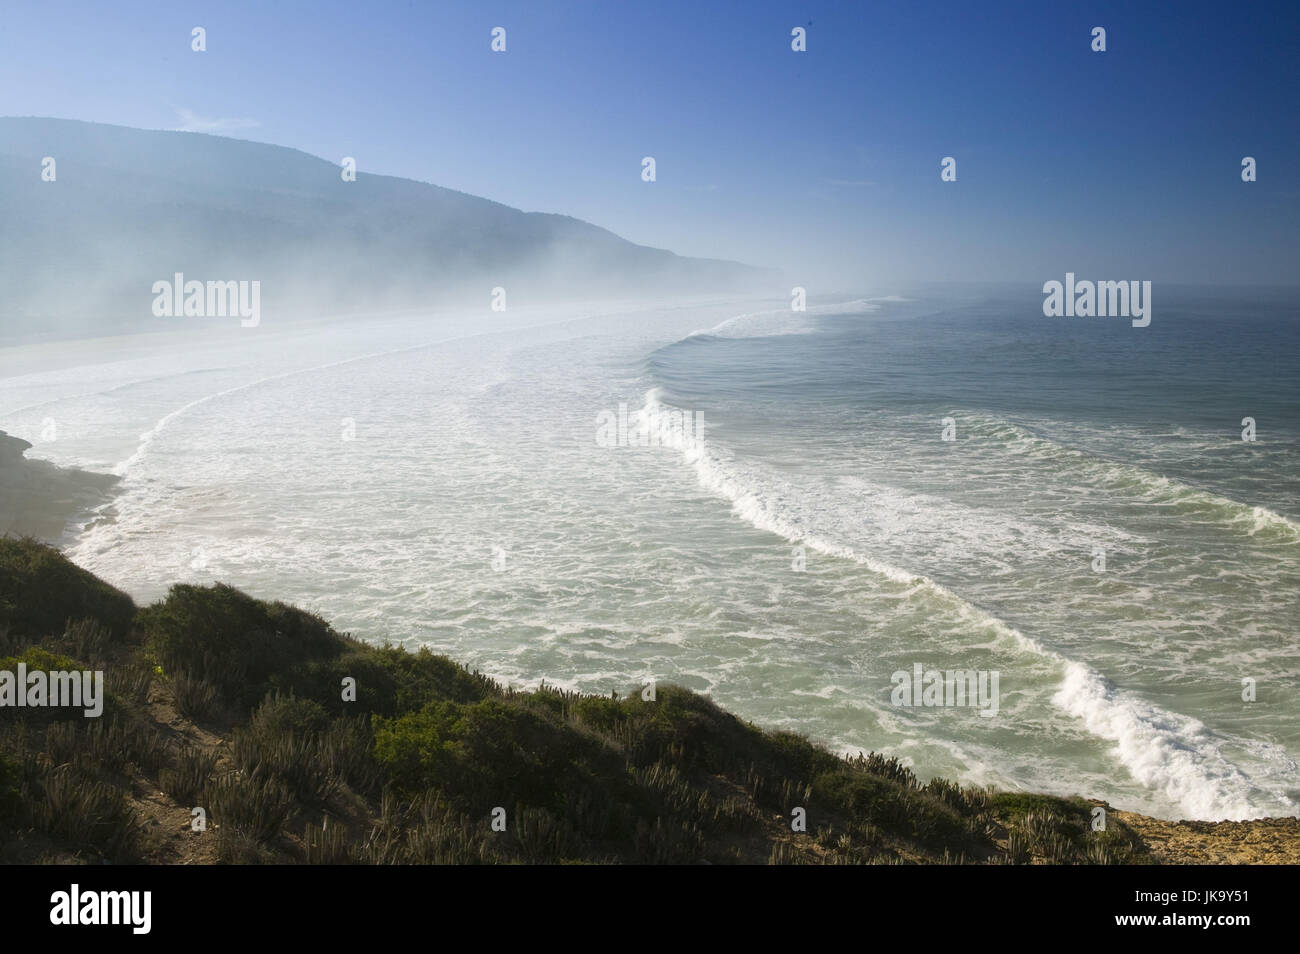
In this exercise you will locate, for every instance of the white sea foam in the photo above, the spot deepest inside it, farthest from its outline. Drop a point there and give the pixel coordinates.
(1165, 751)
(784, 321)
(1132, 478)
(620, 568)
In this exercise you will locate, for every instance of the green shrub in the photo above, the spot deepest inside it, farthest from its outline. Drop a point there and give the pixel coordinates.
(490, 753)
(292, 759)
(85, 639)
(41, 590)
(322, 681)
(282, 740)
(106, 746)
(443, 839)
(347, 747)
(129, 682)
(36, 658)
(242, 647)
(421, 677)
(288, 715)
(891, 803)
(196, 699)
(255, 806)
(85, 814)
(1056, 830)
(1022, 803)
(189, 778)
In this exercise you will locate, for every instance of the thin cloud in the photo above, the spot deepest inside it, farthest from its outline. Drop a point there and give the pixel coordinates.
(850, 182)
(194, 123)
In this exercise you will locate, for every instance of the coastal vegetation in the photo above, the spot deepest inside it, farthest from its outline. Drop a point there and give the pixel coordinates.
(237, 730)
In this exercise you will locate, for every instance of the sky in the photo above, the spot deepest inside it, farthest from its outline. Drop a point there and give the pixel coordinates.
(825, 163)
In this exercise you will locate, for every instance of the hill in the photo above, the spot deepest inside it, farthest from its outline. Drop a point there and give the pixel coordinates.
(130, 207)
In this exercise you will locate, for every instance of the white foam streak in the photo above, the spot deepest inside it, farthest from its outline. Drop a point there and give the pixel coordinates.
(1165, 751)
(1157, 486)
(857, 306)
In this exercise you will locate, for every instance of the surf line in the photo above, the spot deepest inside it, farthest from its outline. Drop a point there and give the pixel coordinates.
(1192, 773)
(148, 436)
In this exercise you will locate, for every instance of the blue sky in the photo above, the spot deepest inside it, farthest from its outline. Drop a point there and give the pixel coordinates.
(1115, 165)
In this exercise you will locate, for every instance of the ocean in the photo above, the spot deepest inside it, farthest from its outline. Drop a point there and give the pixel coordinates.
(932, 477)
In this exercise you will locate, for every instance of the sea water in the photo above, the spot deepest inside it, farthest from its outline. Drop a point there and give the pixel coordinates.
(932, 477)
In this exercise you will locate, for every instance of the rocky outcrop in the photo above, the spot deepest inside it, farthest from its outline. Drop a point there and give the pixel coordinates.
(40, 500)
(12, 450)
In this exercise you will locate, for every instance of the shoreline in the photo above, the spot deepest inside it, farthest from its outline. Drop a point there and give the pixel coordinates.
(28, 508)
(233, 704)
(42, 500)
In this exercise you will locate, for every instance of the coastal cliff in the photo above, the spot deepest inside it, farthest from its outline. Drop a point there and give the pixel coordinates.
(241, 731)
